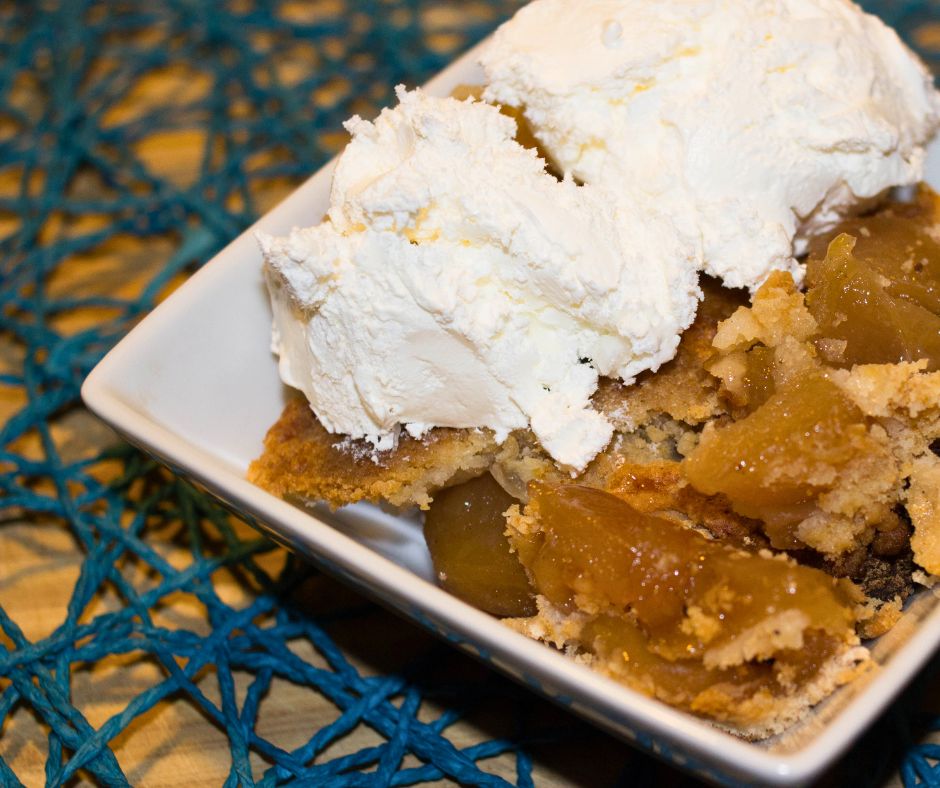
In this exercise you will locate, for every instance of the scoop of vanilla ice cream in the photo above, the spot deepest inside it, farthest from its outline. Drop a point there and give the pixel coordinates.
(458, 284)
(753, 123)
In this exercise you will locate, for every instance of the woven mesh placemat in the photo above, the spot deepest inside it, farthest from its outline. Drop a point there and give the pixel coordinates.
(136, 139)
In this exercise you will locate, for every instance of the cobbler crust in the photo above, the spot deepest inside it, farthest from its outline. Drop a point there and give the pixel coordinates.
(302, 460)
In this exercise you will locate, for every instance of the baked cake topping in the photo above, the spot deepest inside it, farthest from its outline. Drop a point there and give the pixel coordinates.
(755, 123)
(458, 284)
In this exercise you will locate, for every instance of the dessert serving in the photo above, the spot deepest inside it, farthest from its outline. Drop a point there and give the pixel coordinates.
(521, 316)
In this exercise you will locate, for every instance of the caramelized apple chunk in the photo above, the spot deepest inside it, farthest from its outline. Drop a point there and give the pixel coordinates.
(691, 595)
(774, 463)
(465, 533)
(879, 313)
(900, 243)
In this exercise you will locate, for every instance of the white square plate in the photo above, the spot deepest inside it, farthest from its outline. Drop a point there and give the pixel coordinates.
(195, 385)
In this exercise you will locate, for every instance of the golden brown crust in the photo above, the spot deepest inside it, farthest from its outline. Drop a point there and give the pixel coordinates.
(301, 459)
(876, 617)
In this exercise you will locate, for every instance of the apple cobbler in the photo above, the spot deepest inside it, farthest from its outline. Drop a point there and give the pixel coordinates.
(768, 500)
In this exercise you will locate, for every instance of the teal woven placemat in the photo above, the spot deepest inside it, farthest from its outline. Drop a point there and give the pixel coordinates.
(136, 139)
